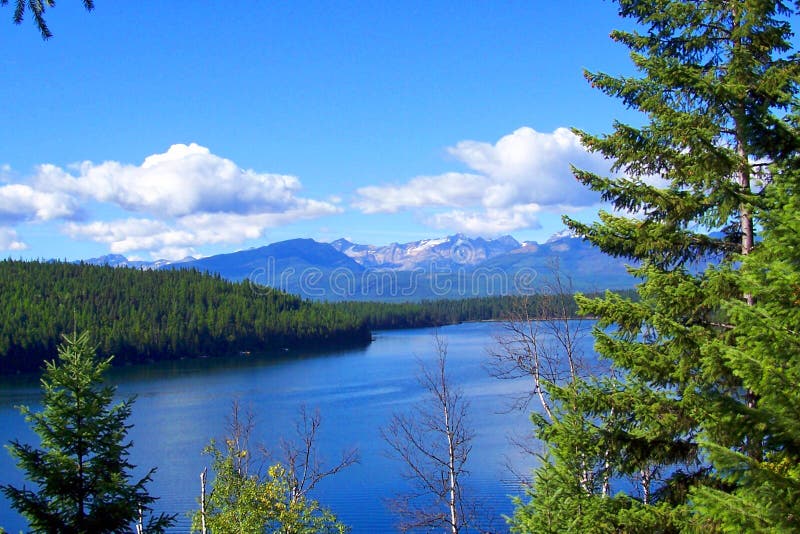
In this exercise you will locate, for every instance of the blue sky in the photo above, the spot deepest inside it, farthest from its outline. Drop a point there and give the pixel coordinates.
(155, 130)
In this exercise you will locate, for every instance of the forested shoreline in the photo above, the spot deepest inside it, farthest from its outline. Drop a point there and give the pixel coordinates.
(140, 316)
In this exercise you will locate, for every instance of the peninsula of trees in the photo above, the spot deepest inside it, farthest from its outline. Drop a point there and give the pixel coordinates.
(148, 315)
(142, 315)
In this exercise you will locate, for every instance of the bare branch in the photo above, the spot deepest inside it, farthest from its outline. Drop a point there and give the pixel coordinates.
(303, 463)
(238, 438)
(434, 443)
(541, 341)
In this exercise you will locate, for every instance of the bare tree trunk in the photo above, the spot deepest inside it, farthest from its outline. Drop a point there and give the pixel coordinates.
(607, 467)
(753, 450)
(203, 500)
(435, 470)
(606, 474)
(545, 346)
(648, 474)
(140, 522)
(451, 465)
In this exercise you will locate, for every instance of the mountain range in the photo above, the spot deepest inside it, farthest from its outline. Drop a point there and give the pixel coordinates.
(455, 266)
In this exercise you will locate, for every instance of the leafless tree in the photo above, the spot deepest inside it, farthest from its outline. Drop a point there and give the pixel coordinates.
(240, 426)
(541, 341)
(303, 466)
(434, 441)
(301, 457)
(237, 439)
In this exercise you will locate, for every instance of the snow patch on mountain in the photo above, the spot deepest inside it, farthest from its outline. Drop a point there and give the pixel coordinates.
(451, 251)
(566, 233)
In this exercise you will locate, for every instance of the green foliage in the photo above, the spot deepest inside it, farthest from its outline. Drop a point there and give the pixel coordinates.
(558, 504)
(81, 473)
(764, 354)
(37, 9)
(141, 316)
(243, 502)
(695, 427)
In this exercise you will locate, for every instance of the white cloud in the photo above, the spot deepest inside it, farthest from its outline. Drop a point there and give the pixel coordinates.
(490, 222)
(451, 189)
(184, 198)
(528, 166)
(177, 239)
(19, 203)
(10, 241)
(128, 234)
(186, 179)
(523, 173)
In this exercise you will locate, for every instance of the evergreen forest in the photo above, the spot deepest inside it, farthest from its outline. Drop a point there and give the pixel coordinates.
(147, 315)
(138, 316)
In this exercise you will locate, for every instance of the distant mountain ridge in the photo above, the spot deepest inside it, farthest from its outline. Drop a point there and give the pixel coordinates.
(455, 266)
(452, 250)
(118, 260)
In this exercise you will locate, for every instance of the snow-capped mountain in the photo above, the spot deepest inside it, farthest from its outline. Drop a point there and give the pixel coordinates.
(118, 260)
(455, 266)
(563, 234)
(454, 250)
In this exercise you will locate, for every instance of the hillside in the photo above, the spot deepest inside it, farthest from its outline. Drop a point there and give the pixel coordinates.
(140, 315)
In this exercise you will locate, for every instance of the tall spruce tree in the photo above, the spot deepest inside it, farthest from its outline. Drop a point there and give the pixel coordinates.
(81, 474)
(717, 82)
(763, 491)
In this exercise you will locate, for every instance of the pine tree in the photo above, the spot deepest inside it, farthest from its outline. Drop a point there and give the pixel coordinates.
(716, 79)
(81, 475)
(763, 492)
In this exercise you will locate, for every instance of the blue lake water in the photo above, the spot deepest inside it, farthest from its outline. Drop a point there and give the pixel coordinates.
(181, 405)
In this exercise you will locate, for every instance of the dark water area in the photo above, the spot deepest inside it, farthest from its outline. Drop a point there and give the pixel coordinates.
(180, 405)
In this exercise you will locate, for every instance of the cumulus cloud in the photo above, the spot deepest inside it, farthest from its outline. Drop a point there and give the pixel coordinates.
(529, 166)
(20, 203)
(178, 238)
(10, 241)
(184, 180)
(183, 198)
(522, 173)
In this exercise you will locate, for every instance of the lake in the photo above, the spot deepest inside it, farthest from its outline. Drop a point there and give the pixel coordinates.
(181, 405)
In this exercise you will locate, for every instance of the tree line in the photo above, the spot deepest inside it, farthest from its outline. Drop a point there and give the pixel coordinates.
(148, 315)
(140, 316)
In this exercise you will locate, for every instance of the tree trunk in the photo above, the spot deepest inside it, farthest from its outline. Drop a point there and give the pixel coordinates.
(203, 501)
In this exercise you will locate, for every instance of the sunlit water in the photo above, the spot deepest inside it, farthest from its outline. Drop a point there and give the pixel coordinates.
(181, 405)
